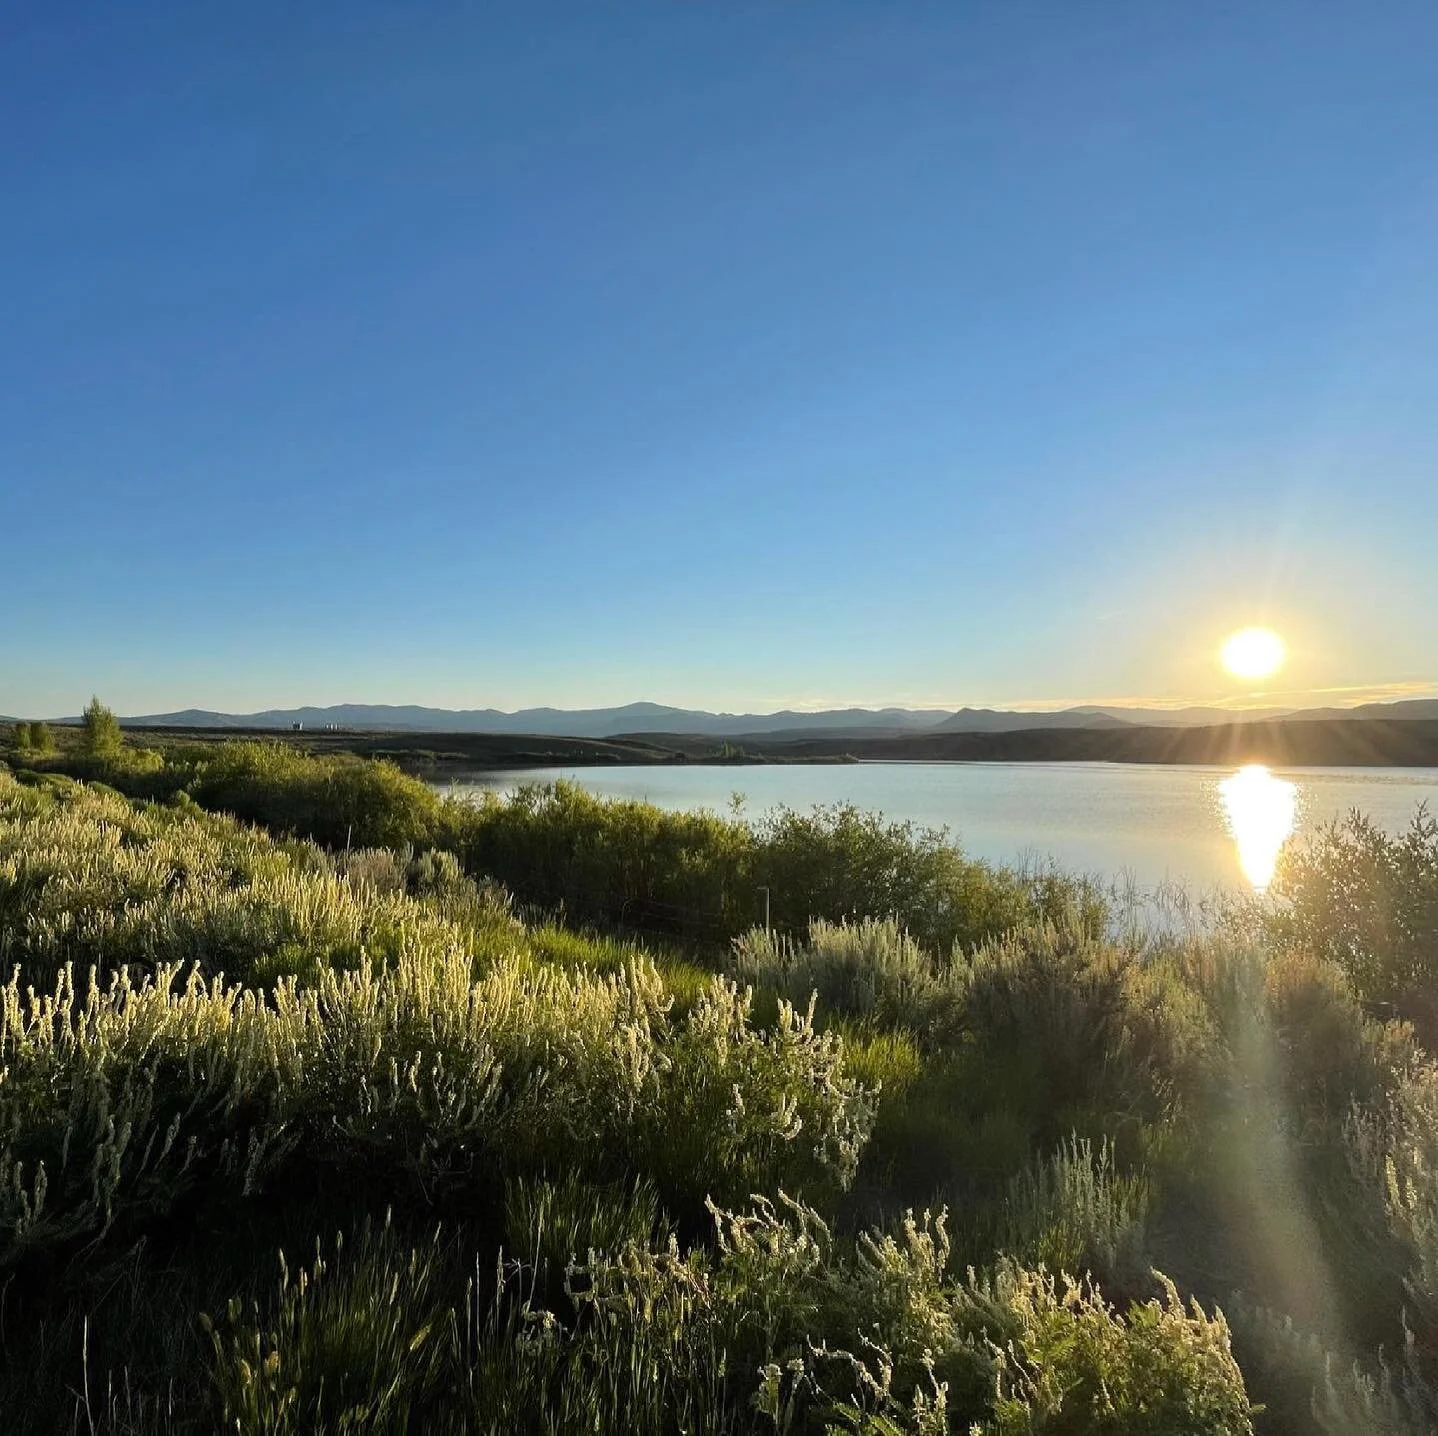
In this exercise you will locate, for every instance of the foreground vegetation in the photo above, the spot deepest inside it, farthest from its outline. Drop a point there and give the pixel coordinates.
(695, 876)
(329, 1106)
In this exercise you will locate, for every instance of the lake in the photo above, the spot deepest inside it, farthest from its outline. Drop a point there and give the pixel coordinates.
(1205, 828)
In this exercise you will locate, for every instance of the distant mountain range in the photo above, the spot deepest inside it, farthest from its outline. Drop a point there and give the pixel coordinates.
(572, 723)
(636, 718)
(1408, 708)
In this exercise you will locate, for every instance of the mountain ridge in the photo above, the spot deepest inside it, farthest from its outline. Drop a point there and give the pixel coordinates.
(647, 717)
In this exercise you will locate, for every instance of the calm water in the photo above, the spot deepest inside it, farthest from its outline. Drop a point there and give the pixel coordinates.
(1203, 827)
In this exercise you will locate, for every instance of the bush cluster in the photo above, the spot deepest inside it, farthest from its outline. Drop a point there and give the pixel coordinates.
(220, 1041)
(705, 876)
(631, 865)
(773, 1326)
(414, 1052)
(1368, 902)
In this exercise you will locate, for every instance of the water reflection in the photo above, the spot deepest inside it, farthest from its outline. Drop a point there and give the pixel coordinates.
(1260, 810)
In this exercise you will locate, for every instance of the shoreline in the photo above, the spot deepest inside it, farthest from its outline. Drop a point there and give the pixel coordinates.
(1319, 743)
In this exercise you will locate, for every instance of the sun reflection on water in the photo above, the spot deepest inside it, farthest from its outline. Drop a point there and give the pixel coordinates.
(1260, 810)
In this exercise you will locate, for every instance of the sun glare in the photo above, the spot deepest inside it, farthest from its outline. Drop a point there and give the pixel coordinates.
(1260, 810)
(1253, 653)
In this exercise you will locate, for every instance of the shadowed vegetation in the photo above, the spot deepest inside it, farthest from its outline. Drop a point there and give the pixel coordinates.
(330, 1106)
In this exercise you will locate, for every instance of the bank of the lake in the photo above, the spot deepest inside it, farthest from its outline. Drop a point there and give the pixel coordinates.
(1364, 742)
(1152, 822)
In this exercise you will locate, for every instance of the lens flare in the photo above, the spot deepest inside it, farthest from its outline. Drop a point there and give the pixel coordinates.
(1252, 653)
(1260, 810)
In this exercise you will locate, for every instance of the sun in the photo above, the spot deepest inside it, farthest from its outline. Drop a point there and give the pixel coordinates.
(1253, 653)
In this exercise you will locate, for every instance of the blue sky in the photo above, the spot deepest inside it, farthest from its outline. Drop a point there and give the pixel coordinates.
(725, 355)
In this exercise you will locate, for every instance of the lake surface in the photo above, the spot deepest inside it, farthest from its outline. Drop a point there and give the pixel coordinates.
(1203, 827)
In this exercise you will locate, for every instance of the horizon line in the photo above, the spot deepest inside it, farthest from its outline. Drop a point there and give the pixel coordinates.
(1338, 697)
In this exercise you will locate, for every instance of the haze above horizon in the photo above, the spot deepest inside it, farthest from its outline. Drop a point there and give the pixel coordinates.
(746, 356)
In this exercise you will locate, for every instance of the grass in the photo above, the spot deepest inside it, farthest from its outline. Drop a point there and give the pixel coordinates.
(307, 1125)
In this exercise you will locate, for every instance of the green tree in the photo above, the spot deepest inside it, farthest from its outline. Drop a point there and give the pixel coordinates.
(20, 739)
(100, 735)
(40, 740)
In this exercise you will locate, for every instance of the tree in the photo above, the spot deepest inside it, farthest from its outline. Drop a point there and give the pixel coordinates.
(41, 742)
(21, 738)
(100, 735)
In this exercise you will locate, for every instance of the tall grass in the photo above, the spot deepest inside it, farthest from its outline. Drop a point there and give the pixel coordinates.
(906, 1168)
(117, 1100)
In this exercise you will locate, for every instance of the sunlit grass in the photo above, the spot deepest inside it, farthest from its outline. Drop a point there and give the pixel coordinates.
(630, 1194)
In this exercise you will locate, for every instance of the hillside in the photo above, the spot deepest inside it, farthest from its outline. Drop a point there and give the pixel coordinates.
(1342, 742)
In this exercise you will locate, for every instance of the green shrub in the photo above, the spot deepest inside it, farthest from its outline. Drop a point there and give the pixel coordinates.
(446, 1078)
(820, 1336)
(114, 1104)
(411, 1046)
(1073, 1211)
(740, 1112)
(1165, 1369)
(378, 869)
(481, 910)
(665, 1340)
(32, 740)
(886, 1062)
(617, 863)
(87, 879)
(845, 863)
(1394, 1155)
(1065, 1032)
(704, 877)
(1333, 1053)
(340, 802)
(622, 863)
(1369, 902)
(644, 1353)
(869, 969)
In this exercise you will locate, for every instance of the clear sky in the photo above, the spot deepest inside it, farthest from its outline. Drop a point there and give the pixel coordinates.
(736, 356)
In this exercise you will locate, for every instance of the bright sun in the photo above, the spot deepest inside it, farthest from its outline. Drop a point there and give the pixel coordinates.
(1253, 653)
